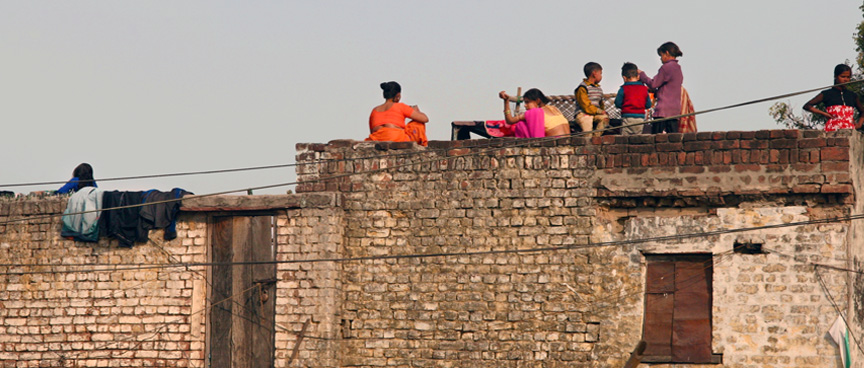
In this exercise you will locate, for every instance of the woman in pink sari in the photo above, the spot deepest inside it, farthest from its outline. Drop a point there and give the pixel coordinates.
(840, 103)
(533, 123)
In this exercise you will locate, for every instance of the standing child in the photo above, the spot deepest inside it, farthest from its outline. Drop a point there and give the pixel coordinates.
(667, 88)
(632, 99)
(840, 103)
(590, 113)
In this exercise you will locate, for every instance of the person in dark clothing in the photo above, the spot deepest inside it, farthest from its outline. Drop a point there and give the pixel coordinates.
(82, 177)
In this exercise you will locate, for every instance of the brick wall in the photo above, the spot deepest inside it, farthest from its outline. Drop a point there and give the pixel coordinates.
(493, 305)
(583, 307)
(99, 316)
(61, 316)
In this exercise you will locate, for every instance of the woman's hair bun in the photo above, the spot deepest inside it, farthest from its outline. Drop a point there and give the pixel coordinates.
(391, 89)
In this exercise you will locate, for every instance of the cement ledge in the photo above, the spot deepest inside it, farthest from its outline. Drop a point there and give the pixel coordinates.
(261, 202)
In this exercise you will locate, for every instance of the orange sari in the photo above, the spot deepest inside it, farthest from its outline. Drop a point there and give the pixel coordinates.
(414, 131)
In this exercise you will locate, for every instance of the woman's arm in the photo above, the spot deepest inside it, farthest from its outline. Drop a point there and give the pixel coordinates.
(809, 106)
(658, 81)
(510, 119)
(418, 116)
(70, 186)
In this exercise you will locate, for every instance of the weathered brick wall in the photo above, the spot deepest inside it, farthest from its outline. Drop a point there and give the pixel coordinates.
(309, 291)
(768, 309)
(107, 313)
(855, 305)
(582, 307)
(683, 165)
(63, 316)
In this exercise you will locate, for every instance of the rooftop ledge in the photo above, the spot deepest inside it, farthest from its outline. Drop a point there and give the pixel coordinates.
(751, 163)
(808, 138)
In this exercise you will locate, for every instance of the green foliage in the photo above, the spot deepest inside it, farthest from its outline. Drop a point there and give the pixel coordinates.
(783, 113)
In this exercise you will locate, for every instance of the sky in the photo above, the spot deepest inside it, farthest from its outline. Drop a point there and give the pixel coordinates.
(146, 87)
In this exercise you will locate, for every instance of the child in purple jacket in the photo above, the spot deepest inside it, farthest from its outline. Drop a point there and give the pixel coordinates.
(667, 88)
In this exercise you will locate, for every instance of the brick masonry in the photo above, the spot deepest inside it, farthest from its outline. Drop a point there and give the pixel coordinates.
(580, 306)
(584, 307)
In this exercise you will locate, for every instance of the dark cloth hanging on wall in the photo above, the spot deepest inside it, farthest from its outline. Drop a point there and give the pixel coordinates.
(161, 215)
(122, 224)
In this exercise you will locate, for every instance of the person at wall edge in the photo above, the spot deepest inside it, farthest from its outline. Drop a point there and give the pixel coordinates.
(633, 100)
(839, 102)
(590, 112)
(539, 119)
(82, 177)
(387, 121)
(667, 87)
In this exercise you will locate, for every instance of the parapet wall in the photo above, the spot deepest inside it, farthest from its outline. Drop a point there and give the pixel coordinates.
(666, 165)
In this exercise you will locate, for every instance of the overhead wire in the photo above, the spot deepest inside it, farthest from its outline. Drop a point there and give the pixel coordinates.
(616, 298)
(516, 143)
(498, 146)
(711, 262)
(837, 309)
(425, 151)
(431, 255)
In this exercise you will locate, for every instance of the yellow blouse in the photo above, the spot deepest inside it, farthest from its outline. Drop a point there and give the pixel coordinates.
(553, 117)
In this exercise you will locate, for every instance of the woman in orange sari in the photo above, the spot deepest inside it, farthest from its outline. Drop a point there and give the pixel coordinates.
(387, 121)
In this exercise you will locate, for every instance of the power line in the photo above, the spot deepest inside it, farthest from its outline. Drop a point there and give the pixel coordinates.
(837, 308)
(187, 265)
(188, 173)
(391, 155)
(517, 143)
(433, 255)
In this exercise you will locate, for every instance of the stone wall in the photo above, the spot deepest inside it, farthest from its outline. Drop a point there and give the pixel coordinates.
(583, 305)
(53, 315)
(470, 254)
(115, 309)
(856, 253)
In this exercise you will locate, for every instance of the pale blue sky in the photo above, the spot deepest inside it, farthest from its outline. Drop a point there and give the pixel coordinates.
(153, 87)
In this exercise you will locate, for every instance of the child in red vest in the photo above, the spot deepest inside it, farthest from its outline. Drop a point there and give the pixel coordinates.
(633, 100)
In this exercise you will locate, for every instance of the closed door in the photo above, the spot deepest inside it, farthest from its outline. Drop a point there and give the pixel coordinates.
(243, 292)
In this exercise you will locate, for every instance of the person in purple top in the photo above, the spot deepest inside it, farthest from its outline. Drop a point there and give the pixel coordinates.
(667, 88)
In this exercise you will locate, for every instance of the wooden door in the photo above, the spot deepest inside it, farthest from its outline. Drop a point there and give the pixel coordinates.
(243, 296)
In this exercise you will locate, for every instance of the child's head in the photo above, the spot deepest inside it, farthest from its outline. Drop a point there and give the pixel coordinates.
(630, 72)
(842, 73)
(593, 71)
(670, 49)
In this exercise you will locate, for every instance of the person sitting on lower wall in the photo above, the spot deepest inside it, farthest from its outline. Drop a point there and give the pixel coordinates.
(82, 177)
(387, 121)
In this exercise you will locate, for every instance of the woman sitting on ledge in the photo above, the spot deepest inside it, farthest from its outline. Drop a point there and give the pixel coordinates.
(387, 121)
(539, 120)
